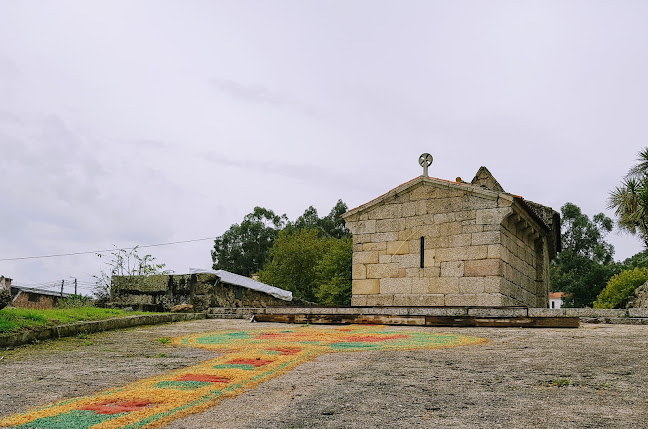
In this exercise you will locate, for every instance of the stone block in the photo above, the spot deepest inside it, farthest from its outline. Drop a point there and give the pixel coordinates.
(444, 285)
(451, 228)
(497, 312)
(359, 272)
(466, 215)
(388, 211)
(362, 227)
(431, 272)
(396, 285)
(440, 310)
(380, 271)
(470, 228)
(504, 200)
(437, 242)
(357, 247)
(420, 286)
(397, 248)
(418, 300)
(374, 246)
(408, 261)
(388, 225)
(353, 218)
(460, 240)
(380, 300)
(489, 237)
(494, 251)
(414, 246)
(412, 272)
(492, 216)
(362, 238)
(546, 312)
(595, 312)
(384, 259)
(368, 257)
(422, 192)
(471, 285)
(444, 205)
(474, 300)
(383, 236)
(638, 312)
(452, 269)
(428, 258)
(409, 209)
(461, 253)
(483, 267)
(479, 202)
(366, 287)
(443, 218)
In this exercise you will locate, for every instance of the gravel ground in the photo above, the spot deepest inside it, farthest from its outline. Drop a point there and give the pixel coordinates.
(592, 377)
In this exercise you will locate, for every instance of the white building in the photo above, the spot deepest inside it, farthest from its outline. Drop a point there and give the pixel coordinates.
(556, 299)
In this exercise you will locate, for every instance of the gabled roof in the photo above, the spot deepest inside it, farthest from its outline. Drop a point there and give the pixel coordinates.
(421, 179)
(483, 184)
(17, 289)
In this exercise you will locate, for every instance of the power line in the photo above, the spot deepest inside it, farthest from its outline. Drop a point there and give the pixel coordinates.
(105, 251)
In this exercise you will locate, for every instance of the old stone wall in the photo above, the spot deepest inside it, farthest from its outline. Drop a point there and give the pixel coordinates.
(35, 301)
(462, 242)
(162, 292)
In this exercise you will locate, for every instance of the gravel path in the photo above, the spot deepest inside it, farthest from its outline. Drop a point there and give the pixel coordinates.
(592, 377)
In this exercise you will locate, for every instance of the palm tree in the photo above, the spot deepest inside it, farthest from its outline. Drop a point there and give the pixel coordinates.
(630, 199)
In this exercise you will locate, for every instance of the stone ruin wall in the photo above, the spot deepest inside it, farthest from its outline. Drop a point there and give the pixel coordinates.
(44, 302)
(464, 252)
(161, 292)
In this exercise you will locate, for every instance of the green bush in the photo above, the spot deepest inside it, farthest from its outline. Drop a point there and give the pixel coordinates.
(75, 301)
(620, 288)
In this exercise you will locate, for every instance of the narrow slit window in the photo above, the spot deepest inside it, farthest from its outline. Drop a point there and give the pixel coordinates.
(422, 252)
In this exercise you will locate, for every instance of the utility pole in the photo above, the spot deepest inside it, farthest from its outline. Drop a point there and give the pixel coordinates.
(62, 284)
(75, 286)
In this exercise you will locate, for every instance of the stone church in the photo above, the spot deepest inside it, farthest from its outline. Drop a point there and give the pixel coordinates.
(434, 242)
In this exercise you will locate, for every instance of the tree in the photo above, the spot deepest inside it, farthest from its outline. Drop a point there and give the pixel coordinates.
(585, 264)
(128, 264)
(331, 225)
(313, 268)
(630, 199)
(621, 288)
(244, 249)
(334, 273)
(294, 257)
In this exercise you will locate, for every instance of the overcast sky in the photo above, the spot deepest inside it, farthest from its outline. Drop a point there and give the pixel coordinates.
(143, 122)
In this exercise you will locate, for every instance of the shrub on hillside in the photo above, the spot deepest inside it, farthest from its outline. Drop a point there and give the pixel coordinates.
(620, 288)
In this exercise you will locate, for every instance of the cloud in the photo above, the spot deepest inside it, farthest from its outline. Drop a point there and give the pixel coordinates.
(258, 94)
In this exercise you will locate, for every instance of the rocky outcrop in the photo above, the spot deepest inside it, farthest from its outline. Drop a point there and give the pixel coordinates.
(641, 297)
(5, 298)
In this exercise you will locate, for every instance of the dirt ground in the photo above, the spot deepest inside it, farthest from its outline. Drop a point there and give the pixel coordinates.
(592, 377)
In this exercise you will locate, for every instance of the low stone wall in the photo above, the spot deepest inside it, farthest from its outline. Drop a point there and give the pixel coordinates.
(72, 329)
(631, 316)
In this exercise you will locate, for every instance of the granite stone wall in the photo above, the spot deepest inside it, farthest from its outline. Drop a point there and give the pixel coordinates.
(468, 258)
(161, 292)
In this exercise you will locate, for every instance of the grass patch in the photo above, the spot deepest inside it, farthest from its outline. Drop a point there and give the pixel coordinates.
(559, 382)
(164, 340)
(21, 319)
